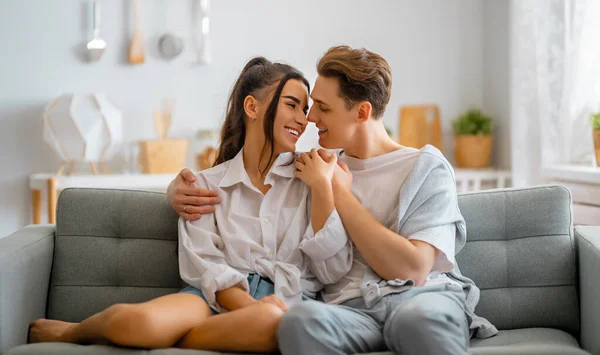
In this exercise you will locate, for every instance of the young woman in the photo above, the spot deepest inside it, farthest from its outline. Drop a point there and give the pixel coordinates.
(265, 247)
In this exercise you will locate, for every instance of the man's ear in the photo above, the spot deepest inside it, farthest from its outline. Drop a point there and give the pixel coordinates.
(364, 111)
(251, 106)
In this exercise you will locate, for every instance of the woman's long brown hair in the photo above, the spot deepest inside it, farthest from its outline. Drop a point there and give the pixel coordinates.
(257, 75)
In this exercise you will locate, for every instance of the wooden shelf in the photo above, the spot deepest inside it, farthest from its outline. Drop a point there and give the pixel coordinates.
(574, 173)
(153, 182)
(466, 180)
(52, 184)
(584, 184)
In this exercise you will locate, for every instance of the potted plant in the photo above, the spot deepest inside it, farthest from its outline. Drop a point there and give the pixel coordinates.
(595, 121)
(473, 139)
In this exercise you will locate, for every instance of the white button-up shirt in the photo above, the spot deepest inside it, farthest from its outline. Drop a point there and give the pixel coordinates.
(270, 235)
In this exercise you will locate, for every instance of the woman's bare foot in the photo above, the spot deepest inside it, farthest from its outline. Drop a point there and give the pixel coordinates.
(48, 330)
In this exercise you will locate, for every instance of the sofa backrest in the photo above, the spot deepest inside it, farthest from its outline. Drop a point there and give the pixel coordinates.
(520, 252)
(121, 246)
(111, 246)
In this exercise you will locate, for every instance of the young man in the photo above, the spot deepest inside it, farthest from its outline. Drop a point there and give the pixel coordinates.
(399, 206)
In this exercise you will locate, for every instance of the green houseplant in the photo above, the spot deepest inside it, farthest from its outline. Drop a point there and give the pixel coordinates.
(595, 122)
(473, 139)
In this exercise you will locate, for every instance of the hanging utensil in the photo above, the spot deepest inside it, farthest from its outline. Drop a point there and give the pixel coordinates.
(169, 45)
(136, 50)
(201, 31)
(97, 45)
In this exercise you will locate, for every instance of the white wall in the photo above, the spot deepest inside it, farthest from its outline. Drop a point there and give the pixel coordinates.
(496, 98)
(435, 48)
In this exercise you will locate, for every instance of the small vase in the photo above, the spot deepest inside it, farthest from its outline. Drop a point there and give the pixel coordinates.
(473, 151)
(596, 134)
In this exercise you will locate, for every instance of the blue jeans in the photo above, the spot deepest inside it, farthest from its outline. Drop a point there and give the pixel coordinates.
(259, 287)
(422, 320)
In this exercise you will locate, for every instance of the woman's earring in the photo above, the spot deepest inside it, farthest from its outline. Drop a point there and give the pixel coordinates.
(253, 118)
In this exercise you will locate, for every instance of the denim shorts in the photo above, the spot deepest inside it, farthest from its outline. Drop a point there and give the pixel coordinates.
(259, 287)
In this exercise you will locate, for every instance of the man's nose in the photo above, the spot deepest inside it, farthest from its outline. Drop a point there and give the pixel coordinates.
(311, 116)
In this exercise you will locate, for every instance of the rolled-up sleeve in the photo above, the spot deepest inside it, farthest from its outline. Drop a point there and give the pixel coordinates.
(443, 239)
(329, 251)
(201, 259)
(433, 215)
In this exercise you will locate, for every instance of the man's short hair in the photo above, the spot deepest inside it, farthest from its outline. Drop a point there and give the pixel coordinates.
(362, 76)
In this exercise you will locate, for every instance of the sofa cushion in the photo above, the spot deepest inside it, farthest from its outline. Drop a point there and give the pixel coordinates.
(71, 349)
(520, 252)
(68, 349)
(111, 246)
(528, 341)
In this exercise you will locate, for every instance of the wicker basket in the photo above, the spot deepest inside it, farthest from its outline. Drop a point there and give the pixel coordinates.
(473, 152)
(596, 134)
(162, 156)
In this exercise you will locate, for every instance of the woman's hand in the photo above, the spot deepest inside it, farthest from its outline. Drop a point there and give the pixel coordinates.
(342, 178)
(189, 201)
(313, 170)
(274, 300)
(234, 298)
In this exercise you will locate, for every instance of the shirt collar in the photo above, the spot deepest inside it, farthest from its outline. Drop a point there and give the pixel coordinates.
(283, 166)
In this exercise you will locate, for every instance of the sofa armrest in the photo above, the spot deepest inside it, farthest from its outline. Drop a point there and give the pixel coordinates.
(25, 263)
(587, 239)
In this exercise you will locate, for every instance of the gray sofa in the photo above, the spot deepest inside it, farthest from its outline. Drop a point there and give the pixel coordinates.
(536, 274)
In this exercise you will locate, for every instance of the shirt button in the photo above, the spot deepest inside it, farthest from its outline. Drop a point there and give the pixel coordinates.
(267, 221)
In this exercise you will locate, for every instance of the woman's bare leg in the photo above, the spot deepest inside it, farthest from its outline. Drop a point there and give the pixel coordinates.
(158, 323)
(251, 329)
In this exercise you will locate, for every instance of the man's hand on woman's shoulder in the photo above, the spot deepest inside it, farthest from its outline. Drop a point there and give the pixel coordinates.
(190, 201)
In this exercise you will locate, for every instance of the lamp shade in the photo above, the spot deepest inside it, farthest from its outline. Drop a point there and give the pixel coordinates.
(83, 127)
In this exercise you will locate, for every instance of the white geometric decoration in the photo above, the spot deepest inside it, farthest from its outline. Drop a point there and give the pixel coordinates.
(83, 128)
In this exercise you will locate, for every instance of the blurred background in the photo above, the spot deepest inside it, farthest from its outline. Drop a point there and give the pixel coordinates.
(454, 55)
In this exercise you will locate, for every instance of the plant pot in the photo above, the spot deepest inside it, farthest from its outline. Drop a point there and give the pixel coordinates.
(596, 134)
(473, 152)
(162, 156)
